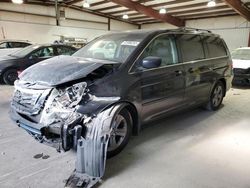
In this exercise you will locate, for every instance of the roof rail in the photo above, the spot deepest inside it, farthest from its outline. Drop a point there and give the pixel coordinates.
(194, 29)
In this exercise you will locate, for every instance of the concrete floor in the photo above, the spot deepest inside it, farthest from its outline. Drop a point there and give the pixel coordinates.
(197, 149)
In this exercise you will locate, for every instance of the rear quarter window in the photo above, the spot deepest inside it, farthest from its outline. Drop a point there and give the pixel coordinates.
(191, 47)
(215, 47)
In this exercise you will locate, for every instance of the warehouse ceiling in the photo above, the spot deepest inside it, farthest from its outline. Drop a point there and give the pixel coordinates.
(147, 11)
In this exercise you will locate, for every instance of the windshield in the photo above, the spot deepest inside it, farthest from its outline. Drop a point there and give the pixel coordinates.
(25, 51)
(114, 47)
(242, 54)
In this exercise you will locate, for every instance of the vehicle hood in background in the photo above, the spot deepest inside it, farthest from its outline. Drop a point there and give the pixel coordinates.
(7, 57)
(241, 64)
(7, 51)
(61, 69)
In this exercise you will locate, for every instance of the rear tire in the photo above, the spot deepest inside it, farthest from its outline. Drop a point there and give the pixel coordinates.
(120, 134)
(216, 97)
(10, 76)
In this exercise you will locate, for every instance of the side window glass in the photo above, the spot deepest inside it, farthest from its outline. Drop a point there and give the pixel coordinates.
(24, 44)
(191, 47)
(62, 50)
(16, 45)
(3, 45)
(163, 47)
(43, 53)
(9, 45)
(215, 47)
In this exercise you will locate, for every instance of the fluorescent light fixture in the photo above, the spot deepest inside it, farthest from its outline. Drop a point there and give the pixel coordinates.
(162, 11)
(17, 1)
(211, 3)
(86, 4)
(125, 16)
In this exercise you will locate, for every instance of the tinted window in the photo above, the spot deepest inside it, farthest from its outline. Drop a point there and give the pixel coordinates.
(63, 50)
(215, 46)
(163, 47)
(43, 52)
(17, 44)
(191, 47)
(25, 51)
(3, 45)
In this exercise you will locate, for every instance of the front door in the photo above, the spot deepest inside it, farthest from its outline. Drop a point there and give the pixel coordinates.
(162, 88)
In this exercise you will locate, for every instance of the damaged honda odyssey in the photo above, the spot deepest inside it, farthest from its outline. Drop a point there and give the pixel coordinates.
(93, 101)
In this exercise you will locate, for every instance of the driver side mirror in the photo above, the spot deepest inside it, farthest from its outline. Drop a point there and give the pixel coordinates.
(151, 62)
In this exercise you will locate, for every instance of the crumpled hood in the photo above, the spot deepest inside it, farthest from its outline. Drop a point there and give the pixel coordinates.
(241, 64)
(61, 69)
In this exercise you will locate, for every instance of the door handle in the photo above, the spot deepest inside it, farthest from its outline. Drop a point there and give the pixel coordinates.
(178, 72)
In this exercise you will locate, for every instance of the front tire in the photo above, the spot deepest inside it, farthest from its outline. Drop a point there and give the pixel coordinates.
(121, 132)
(216, 97)
(10, 76)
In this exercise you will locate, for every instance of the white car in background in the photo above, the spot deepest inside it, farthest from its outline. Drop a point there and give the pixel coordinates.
(9, 46)
(241, 66)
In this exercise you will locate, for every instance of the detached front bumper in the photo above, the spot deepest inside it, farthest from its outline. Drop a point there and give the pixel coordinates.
(60, 136)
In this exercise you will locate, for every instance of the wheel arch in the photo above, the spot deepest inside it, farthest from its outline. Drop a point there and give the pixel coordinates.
(223, 80)
(8, 68)
(132, 111)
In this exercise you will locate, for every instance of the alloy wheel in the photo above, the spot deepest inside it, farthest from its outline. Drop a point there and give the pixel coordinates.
(217, 96)
(118, 132)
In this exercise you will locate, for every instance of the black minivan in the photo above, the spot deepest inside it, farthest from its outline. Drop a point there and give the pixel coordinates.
(94, 100)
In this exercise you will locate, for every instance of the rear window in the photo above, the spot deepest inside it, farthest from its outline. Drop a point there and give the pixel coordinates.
(215, 46)
(191, 47)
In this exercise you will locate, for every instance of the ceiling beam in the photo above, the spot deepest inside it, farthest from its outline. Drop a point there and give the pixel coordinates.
(177, 11)
(170, 3)
(73, 2)
(239, 7)
(205, 10)
(107, 1)
(211, 14)
(99, 3)
(48, 3)
(150, 12)
(100, 14)
(108, 8)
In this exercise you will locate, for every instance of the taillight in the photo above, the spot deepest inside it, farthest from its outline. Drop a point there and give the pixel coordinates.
(19, 72)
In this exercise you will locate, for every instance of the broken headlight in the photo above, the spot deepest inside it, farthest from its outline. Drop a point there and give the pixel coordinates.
(69, 97)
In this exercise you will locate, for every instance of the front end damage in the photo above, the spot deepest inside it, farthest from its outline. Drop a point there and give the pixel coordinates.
(54, 116)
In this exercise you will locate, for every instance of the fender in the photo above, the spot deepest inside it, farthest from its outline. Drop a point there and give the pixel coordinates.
(100, 104)
(92, 150)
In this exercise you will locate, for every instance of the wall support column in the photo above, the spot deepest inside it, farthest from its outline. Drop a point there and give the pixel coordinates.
(57, 13)
(249, 40)
(108, 24)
